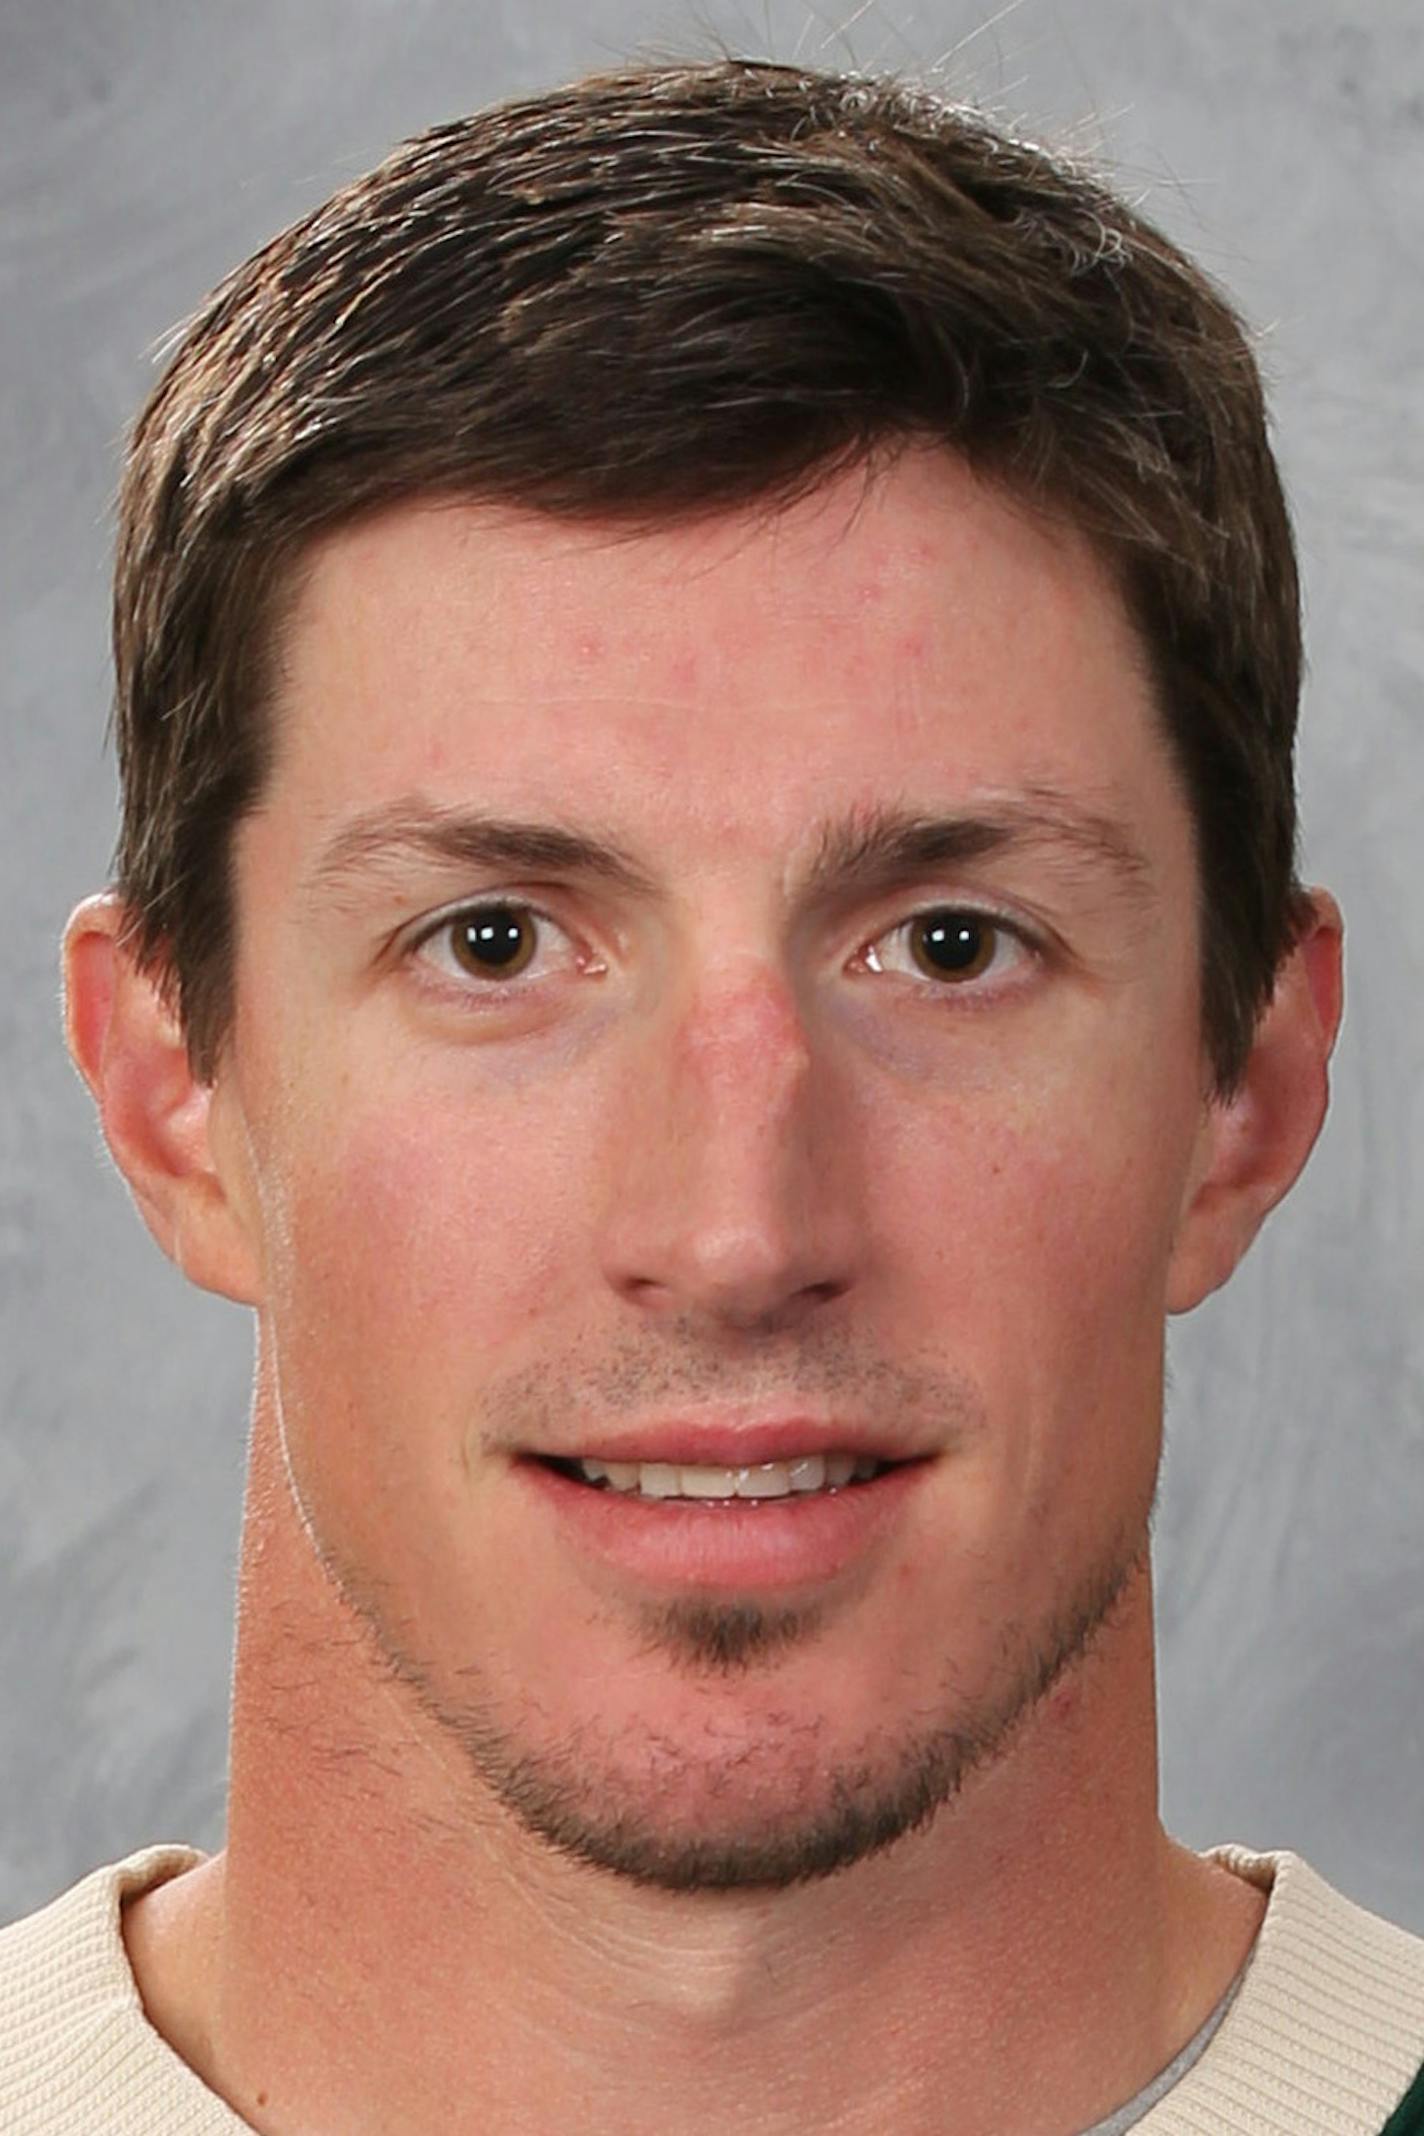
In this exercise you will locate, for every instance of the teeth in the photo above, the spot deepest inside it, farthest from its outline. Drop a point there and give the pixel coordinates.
(707, 1482)
(656, 1479)
(771, 1479)
(768, 1479)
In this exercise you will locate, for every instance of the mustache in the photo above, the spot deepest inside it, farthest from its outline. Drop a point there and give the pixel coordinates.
(627, 1379)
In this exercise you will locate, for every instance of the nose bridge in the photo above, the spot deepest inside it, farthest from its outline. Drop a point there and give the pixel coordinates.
(741, 1039)
(729, 1199)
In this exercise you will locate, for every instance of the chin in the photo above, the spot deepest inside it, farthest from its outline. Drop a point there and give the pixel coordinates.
(767, 1788)
(742, 1743)
(764, 1816)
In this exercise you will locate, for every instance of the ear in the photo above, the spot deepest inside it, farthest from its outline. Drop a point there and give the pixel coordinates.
(1253, 1144)
(127, 1043)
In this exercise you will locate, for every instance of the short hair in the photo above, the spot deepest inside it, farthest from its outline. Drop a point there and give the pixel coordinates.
(671, 290)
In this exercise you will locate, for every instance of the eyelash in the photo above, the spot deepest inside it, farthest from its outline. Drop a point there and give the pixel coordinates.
(444, 924)
(1003, 928)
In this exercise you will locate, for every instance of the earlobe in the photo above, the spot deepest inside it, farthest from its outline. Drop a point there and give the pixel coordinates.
(126, 1041)
(1255, 1142)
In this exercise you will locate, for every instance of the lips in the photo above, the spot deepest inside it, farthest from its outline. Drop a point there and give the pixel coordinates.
(765, 1506)
(735, 1441)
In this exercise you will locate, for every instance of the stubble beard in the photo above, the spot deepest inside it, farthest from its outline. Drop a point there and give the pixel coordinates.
(674, 1816)
(603, 1800)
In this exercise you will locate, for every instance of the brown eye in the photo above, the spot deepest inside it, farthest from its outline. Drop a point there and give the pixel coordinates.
(953, 945)
(493, 941)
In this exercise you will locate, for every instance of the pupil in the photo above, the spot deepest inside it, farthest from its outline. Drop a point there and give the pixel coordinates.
(953, 942)
(498, 937)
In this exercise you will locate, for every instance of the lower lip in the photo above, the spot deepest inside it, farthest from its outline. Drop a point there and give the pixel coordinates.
(767, 1544)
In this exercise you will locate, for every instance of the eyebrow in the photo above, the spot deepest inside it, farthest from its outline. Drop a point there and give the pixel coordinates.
(874, 848)
(864, 851)
(416, 833)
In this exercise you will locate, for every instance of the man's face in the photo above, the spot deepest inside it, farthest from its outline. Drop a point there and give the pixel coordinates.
(720, 1004)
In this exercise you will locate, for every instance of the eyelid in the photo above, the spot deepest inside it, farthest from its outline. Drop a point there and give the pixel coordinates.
(1027, 938)
(427, 930)
(411, 941)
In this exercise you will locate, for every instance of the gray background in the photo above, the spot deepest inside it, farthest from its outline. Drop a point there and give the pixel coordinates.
(145, 146)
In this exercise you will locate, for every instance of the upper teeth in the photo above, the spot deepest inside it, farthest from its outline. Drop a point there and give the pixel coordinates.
(768, 1479)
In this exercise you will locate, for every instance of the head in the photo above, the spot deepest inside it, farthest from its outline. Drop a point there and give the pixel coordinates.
(615, 612)
(664, 294)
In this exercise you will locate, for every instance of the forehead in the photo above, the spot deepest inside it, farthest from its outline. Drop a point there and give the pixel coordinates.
(753, 668)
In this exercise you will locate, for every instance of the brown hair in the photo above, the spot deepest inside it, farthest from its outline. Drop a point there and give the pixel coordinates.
(668, 290)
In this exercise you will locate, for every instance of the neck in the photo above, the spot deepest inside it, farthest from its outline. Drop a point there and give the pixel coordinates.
(1021, 1967)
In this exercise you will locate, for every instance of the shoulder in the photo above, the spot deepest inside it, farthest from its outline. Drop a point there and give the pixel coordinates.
(76, 2050)
(1325, 2036)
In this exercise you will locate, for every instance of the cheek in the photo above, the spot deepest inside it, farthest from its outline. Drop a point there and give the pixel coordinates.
(1079, 1155)
(1041, 1279)
(424, 1243)
(410, 1263)
(1041, 1231)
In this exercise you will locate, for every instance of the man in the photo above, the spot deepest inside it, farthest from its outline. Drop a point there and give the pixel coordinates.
(706, 930)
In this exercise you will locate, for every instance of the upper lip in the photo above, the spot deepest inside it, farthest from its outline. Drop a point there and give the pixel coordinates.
(686, 1442)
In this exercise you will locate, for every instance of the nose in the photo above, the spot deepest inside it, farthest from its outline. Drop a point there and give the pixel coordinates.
(732, 1192)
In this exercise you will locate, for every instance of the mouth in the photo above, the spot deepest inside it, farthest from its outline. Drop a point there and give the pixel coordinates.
(802, 1476)
(793, 1520)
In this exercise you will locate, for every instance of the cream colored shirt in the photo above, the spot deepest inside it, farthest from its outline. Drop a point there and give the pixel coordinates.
(1323, 2035)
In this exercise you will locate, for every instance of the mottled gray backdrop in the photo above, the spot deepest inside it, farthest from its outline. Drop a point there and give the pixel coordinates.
(145, 146)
